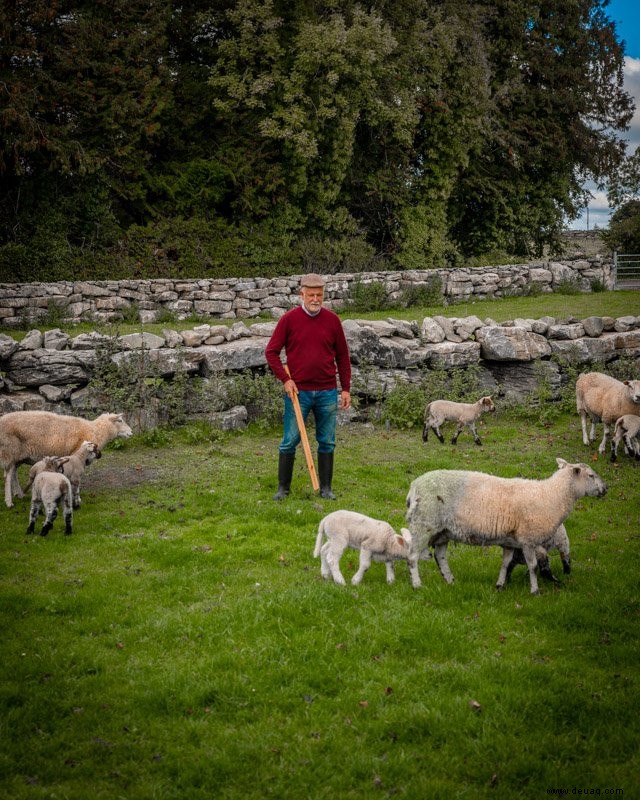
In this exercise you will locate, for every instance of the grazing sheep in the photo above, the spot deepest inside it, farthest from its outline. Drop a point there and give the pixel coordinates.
(73, 468)
(482, 509)
(465, 414)
(604, 399)
(627, 430)
(559, 542)
(51, 488)
(27, 436)
(375, 539)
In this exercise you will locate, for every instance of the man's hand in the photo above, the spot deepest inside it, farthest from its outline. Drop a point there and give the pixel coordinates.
(290, 388)
(345, 400)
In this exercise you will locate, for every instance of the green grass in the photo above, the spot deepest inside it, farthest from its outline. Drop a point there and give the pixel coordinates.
(562, 306)
(181, 644)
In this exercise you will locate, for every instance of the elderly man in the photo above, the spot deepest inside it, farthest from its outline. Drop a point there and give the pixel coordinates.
(316, 353)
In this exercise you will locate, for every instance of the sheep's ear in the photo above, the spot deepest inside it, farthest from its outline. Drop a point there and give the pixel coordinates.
(61, 460)
(406, 534)
(561, 462)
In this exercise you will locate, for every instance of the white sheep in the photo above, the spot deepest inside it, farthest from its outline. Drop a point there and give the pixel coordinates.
(482, 509)
(604, 399)
(376, 540)
(465, 414)
(559, 542)
(50, 489)
(626, 430)
(27, 436)
(74, 467)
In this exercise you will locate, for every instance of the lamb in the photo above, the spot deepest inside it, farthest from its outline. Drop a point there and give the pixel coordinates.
(559, 542)
(604, 399)
(73, 468)
(375, 539)
(627, 430)
(27, 436)
(50, 489)
(482, 509)
(465, 414)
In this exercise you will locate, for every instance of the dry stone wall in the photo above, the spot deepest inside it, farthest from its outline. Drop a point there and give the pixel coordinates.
(52, 370)
(24, 304)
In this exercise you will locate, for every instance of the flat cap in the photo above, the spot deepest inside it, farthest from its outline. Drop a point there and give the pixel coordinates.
(312, 280)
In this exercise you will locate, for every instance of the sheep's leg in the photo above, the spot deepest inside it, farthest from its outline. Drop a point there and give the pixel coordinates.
(529, 554)
(566, 562)
(325, 569)
(436, 429)
(603, 443)
(614, 448)
(76, 496)
(413, 571)
(365, 563)
(333, 560)
(15, 483)
(440, 553)
(68, 518)
(391, 576)
(545, 570)
(454, 438)
(425, 432)
(33, 515)
(473, 430)
(587, 438)
(8, 485)
(52, 513)
(509, 561)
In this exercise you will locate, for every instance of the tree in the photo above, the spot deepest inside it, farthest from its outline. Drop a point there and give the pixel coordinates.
(557, 103)
(623, 233)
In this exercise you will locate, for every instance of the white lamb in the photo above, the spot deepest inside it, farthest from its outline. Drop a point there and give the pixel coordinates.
(559, 542)
(604, 399)
(376, 540)
(50, 489)
(627, 430)
(74, 467)
(465, 414)
(27, 436)
(481, 509)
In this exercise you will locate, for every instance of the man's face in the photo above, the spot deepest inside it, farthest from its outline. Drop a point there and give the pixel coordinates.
(312, 297)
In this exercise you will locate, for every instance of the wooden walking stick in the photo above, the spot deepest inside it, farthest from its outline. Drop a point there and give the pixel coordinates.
(304, 438)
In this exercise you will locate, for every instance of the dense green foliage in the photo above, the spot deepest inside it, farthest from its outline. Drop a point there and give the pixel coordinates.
(261, 136)
(623, 233)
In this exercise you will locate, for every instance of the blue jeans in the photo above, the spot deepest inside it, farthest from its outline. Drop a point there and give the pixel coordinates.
(324, 405)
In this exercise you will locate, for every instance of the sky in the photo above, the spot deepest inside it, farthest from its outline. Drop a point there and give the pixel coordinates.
(626, 15)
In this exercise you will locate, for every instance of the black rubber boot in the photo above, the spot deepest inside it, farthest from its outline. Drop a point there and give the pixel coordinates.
(325, 475)
(285, 471)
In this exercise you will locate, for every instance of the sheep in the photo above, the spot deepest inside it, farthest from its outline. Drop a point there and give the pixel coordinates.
(559, 542)
(375, 539)
(27, 436)
(482, 509)
(73, 468)
(604, 399)
(51, 488)
(627, 430)
(465, 414)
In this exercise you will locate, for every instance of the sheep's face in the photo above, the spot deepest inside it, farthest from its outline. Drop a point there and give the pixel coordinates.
(92, 451)
(488, 404)
(589, 482)
(123, 430)
(54, 463)
(634, 390)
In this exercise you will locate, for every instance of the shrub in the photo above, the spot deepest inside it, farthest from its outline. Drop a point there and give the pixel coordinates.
(367, 296)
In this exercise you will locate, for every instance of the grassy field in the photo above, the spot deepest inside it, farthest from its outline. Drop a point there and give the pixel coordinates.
(181, 643)
(561, 306)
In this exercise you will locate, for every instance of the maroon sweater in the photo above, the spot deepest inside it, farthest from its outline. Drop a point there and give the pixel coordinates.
(314, 346)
